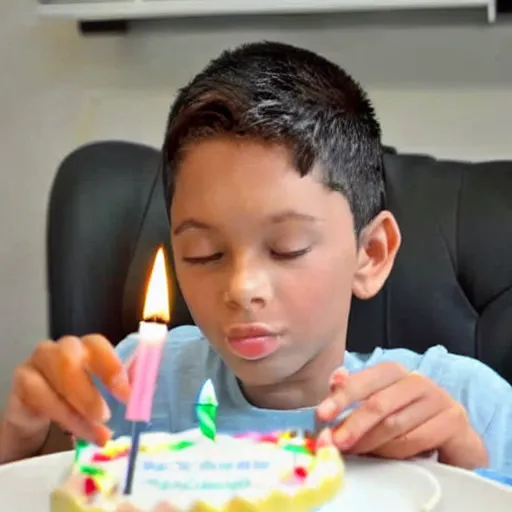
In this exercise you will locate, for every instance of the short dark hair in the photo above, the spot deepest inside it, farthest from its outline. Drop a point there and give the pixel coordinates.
(279, 93)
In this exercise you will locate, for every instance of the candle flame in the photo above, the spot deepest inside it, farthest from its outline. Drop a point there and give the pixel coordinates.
(207, 394)
(156, 306)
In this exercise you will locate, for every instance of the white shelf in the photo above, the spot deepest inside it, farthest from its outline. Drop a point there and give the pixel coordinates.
(90, 10)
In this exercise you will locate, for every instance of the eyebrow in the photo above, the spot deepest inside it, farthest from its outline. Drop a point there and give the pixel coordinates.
(292, 215)
(274, 219)
(191, 224)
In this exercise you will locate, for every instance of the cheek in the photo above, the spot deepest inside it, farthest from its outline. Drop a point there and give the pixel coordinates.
(199, 293)
(320, 293)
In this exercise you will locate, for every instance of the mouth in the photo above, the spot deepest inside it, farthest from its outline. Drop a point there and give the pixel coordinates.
(252, 341)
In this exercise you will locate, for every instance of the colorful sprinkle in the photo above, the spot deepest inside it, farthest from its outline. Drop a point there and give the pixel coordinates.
(300, 472)
(296, 448)
(90, 486)
(92, 471)
(116, 452)
(253, 436)
(181, 445)
(285, 436)
(269, 438)
(107, 484)
(101, 457)
(160, 446)
(80, 445)
(310, 445)
(110, 453)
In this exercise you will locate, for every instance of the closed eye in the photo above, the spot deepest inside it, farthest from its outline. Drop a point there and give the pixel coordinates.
(290, 255)
(203, 260)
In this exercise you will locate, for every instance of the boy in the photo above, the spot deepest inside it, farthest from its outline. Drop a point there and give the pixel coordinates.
(275, 189)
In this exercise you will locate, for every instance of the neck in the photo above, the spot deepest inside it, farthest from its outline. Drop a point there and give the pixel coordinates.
(305, 388)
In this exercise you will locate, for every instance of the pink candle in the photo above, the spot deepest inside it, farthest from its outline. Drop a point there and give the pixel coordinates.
(145, 371)
(152, 333)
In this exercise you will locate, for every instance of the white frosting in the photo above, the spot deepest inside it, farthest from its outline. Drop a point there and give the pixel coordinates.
(210, 471)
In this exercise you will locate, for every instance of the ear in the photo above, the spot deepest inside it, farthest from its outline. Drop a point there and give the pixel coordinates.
(378, 245)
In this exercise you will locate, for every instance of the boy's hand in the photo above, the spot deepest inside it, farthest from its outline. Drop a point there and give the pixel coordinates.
(55, 385)
(399, 415)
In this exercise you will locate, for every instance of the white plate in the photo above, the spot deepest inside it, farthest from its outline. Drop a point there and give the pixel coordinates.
(379, 485)
(371, 485)
(469, 492)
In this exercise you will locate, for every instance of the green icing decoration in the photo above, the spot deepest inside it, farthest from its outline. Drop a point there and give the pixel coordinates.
(92, 471)
(181, 445)
(80, 445)
(296, 449)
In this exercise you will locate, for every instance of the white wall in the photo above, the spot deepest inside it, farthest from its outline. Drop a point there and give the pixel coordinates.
(441, 89)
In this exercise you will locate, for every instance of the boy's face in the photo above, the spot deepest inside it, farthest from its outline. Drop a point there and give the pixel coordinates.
(267, 261)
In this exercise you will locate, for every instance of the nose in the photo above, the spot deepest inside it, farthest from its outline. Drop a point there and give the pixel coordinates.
(249, 284)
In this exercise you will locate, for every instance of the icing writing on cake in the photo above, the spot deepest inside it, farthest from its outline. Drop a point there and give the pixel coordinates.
(198, 485)
(186, 475)
(206, 465)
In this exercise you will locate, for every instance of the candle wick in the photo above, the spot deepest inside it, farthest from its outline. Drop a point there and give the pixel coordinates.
(155, 319)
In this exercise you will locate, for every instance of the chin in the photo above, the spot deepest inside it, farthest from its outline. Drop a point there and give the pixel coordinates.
(261, 372)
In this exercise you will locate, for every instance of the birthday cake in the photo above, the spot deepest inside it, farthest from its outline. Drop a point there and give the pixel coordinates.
(187, 472)
(201, 470)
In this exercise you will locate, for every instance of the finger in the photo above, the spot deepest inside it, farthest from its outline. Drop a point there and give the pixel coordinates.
(388, 413)
(36, 395)
(431, 435)
(324, 438)
(399, 424)
(338, 378)
(359, 386)
(103, 362)
(62, 366)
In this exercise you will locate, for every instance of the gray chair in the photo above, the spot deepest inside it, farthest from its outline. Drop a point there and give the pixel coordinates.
(451, 285)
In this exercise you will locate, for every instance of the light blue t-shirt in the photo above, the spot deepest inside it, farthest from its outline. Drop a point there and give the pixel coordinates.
(188, 360)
